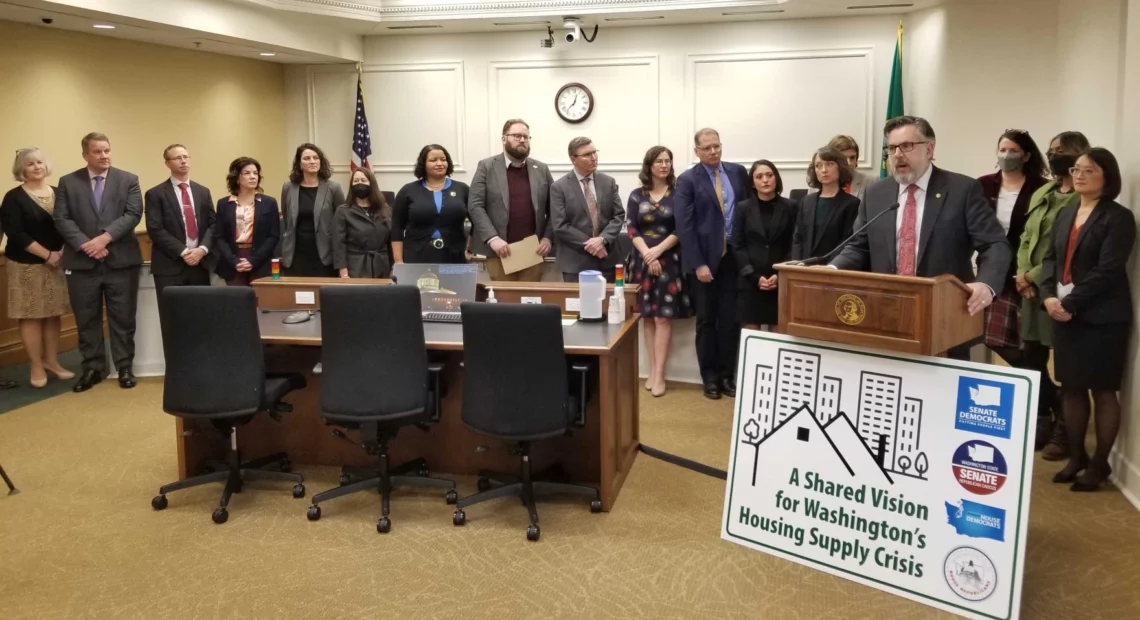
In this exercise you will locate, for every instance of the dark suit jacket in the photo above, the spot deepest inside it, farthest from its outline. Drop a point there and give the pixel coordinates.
(756, 247)
(414, 219)
(1100, 278)
(266, 232)
(489, 208)
(570, 218)
(700, 225)
(956, 208)
(991, 187)
(78, 222)
(361, 243)
(26, 222)
(167, 230)
(818, 238)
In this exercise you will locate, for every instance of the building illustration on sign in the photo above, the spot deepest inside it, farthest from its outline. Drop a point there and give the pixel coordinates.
(887, 422)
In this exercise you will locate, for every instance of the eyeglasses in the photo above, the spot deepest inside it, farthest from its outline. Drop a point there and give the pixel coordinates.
(1076, 171)
(663, 162)
(711, 148)
(905, 147)
(520, 137)
(590, 155)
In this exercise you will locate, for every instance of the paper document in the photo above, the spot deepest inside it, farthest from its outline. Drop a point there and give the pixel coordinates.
(523, 254)
(568, 322)
(1063, 290)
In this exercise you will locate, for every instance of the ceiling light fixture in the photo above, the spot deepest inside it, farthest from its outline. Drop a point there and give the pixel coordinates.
(104, 26)
(538, 23)
(267, 54)
(862, 7)
(755, 12)
(414, 27)
(633, 19)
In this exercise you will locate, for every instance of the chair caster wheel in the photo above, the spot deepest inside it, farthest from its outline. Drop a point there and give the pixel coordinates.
(345, 479)
(159, 502)
(483, 485)
(220, 516)
(451, 496)
(423, 473)
(459, 518)
(313, 513)
(532, 532)
(286, 466)
(384, 525)
(298, 491)
(596, 505)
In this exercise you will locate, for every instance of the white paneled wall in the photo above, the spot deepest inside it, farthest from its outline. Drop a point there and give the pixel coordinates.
(775, 89)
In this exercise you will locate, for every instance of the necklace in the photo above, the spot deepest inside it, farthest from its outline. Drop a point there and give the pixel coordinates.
(433, 187)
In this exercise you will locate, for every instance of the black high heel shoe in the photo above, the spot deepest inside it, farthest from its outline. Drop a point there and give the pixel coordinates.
(1094, 477)
(1070, 472)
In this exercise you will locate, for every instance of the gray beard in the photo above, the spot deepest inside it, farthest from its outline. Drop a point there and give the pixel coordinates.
(908, 179)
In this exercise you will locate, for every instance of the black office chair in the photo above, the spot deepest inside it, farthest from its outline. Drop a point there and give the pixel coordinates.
(12, 490)
(377, 379)
(516, 387)
(797, 195)
(215, 378)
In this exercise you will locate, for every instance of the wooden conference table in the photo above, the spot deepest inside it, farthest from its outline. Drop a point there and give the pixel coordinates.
(600, 454)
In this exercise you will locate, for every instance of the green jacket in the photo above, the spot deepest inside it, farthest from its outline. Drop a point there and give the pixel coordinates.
(1046, 203)
(1043, 209)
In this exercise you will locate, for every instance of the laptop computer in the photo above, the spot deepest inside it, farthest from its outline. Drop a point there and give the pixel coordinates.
(443, 288)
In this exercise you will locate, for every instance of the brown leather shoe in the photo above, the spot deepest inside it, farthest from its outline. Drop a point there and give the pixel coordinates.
(1058, 447)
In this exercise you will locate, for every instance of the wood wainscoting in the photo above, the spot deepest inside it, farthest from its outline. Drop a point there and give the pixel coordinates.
(11, 349)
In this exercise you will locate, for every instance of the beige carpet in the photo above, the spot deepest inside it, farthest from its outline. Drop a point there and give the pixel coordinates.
(81, 540)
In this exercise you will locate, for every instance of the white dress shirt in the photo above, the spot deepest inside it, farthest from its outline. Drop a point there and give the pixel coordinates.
(920, 206)
(190, 243)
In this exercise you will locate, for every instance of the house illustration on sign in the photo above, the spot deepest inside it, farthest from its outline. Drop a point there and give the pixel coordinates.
(836, 443)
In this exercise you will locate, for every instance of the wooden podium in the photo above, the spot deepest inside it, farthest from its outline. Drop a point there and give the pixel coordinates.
(924, 316)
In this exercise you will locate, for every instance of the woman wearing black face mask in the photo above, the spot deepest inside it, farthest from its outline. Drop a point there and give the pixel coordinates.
(1036, 326)
(362, 231)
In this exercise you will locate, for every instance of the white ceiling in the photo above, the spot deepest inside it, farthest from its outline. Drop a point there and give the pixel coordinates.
(419, 17)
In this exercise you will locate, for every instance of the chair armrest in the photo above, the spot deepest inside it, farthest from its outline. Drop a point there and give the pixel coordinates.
(579, 393)
(434, 392)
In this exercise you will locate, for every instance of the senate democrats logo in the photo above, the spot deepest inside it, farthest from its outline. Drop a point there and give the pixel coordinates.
(976, 520)
(979, 467)
(984, 407)
(970, 574)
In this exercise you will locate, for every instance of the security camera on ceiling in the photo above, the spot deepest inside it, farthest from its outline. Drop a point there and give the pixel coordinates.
(573, 25)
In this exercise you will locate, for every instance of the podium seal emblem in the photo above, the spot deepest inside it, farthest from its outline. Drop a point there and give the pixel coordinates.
(850, 309)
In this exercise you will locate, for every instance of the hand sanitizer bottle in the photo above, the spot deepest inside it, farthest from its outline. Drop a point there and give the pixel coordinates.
(491, 296)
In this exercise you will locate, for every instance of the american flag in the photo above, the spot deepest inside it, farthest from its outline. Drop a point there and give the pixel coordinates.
(361, 141)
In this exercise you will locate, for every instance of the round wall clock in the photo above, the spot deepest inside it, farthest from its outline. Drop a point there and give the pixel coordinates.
(574, 102)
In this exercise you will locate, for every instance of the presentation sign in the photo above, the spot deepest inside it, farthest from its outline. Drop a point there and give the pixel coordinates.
(907, 474)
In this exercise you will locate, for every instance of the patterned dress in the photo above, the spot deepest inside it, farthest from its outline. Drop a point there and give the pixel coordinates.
(652, 222)
(36, 291)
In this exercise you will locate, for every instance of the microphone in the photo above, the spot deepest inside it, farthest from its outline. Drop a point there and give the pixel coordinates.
(816, 260)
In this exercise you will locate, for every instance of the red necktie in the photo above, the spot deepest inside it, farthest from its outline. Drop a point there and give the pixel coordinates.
(188, 213)
(908, 241)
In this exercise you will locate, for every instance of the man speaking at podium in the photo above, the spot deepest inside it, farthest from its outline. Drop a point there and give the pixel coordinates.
(940, 219)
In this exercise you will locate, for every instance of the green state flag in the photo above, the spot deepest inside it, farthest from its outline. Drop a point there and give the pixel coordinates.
(894, 96)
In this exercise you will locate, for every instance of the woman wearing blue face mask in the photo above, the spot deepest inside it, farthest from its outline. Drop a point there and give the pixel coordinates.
(1021, 171)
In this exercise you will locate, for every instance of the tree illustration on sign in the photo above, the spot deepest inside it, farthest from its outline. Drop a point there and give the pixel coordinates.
(921, 465)
(752, 431)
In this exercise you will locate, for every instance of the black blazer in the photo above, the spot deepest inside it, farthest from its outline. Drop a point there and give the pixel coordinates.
(991, 187)
(1100, 278)
(266, 232)
(24, 221)
(167, 231)
(414, 218)
(361, 243)
(814, 238)
(757, 248)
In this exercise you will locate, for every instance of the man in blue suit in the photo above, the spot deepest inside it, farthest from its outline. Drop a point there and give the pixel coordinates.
(706, 198)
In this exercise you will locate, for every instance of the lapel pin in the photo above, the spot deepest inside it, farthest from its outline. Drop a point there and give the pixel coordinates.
(938, 195)
(535, 166)
(453, 194)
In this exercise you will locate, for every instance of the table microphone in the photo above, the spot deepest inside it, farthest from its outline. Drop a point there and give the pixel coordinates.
(815, 260)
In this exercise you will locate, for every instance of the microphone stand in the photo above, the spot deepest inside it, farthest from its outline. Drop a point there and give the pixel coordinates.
(816, 260)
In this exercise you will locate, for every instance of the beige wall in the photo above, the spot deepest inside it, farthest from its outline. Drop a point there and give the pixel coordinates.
(56, 86)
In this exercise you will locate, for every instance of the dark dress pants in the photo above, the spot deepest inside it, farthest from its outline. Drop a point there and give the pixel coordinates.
(718, 333)
(191, 276)
(88, 291)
